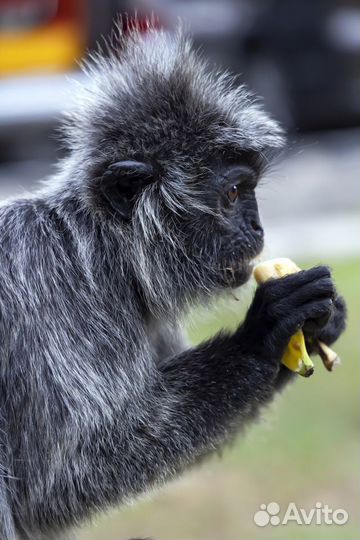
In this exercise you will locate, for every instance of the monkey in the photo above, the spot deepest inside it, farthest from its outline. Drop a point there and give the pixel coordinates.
(151, 210)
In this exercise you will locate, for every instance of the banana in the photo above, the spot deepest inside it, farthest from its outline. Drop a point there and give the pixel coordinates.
(296, 356)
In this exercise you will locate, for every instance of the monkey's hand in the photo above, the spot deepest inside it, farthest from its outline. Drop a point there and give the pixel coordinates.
(328, 328)
(282, 306)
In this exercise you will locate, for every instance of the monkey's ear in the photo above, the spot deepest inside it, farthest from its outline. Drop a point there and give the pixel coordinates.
(121, 184)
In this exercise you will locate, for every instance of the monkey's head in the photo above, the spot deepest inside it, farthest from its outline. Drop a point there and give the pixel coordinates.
(170, 155)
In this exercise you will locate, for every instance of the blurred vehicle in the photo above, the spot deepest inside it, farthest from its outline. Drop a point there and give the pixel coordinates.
(304, 58)
(40, 36)
(301, 57)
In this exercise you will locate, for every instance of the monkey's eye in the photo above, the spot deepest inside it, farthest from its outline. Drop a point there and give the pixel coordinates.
(233, 193)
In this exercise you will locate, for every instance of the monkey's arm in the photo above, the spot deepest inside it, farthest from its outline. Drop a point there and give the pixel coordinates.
(214, 388)
(171, 342)
(218, 386)
(206, 393)
(246, 367)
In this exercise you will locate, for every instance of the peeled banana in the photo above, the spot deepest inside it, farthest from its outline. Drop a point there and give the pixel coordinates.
(296, 356)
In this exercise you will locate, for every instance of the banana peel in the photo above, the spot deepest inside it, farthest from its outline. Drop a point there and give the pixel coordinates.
(295, 357)
(328, 356)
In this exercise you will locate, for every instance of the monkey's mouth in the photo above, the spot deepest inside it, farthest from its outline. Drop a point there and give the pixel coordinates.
(237, 264)
(235, 274)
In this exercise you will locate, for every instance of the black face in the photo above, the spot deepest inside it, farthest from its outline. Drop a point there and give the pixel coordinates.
(244, 232)
(235, 235)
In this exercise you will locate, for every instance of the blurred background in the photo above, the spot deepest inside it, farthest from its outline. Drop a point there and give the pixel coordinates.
(303, 58)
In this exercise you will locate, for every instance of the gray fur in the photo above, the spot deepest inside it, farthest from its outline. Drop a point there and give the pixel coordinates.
(97, 403)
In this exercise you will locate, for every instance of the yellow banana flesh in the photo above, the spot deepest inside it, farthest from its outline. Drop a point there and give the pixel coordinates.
(295, 357)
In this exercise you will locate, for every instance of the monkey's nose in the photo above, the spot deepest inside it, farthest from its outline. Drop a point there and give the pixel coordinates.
(256, 227)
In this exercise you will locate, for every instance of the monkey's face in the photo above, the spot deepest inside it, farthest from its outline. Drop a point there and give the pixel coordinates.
(225, 234)
(200, 231)
(237, 229)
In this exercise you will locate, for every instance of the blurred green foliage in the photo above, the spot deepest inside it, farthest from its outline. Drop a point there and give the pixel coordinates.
(305, 450)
